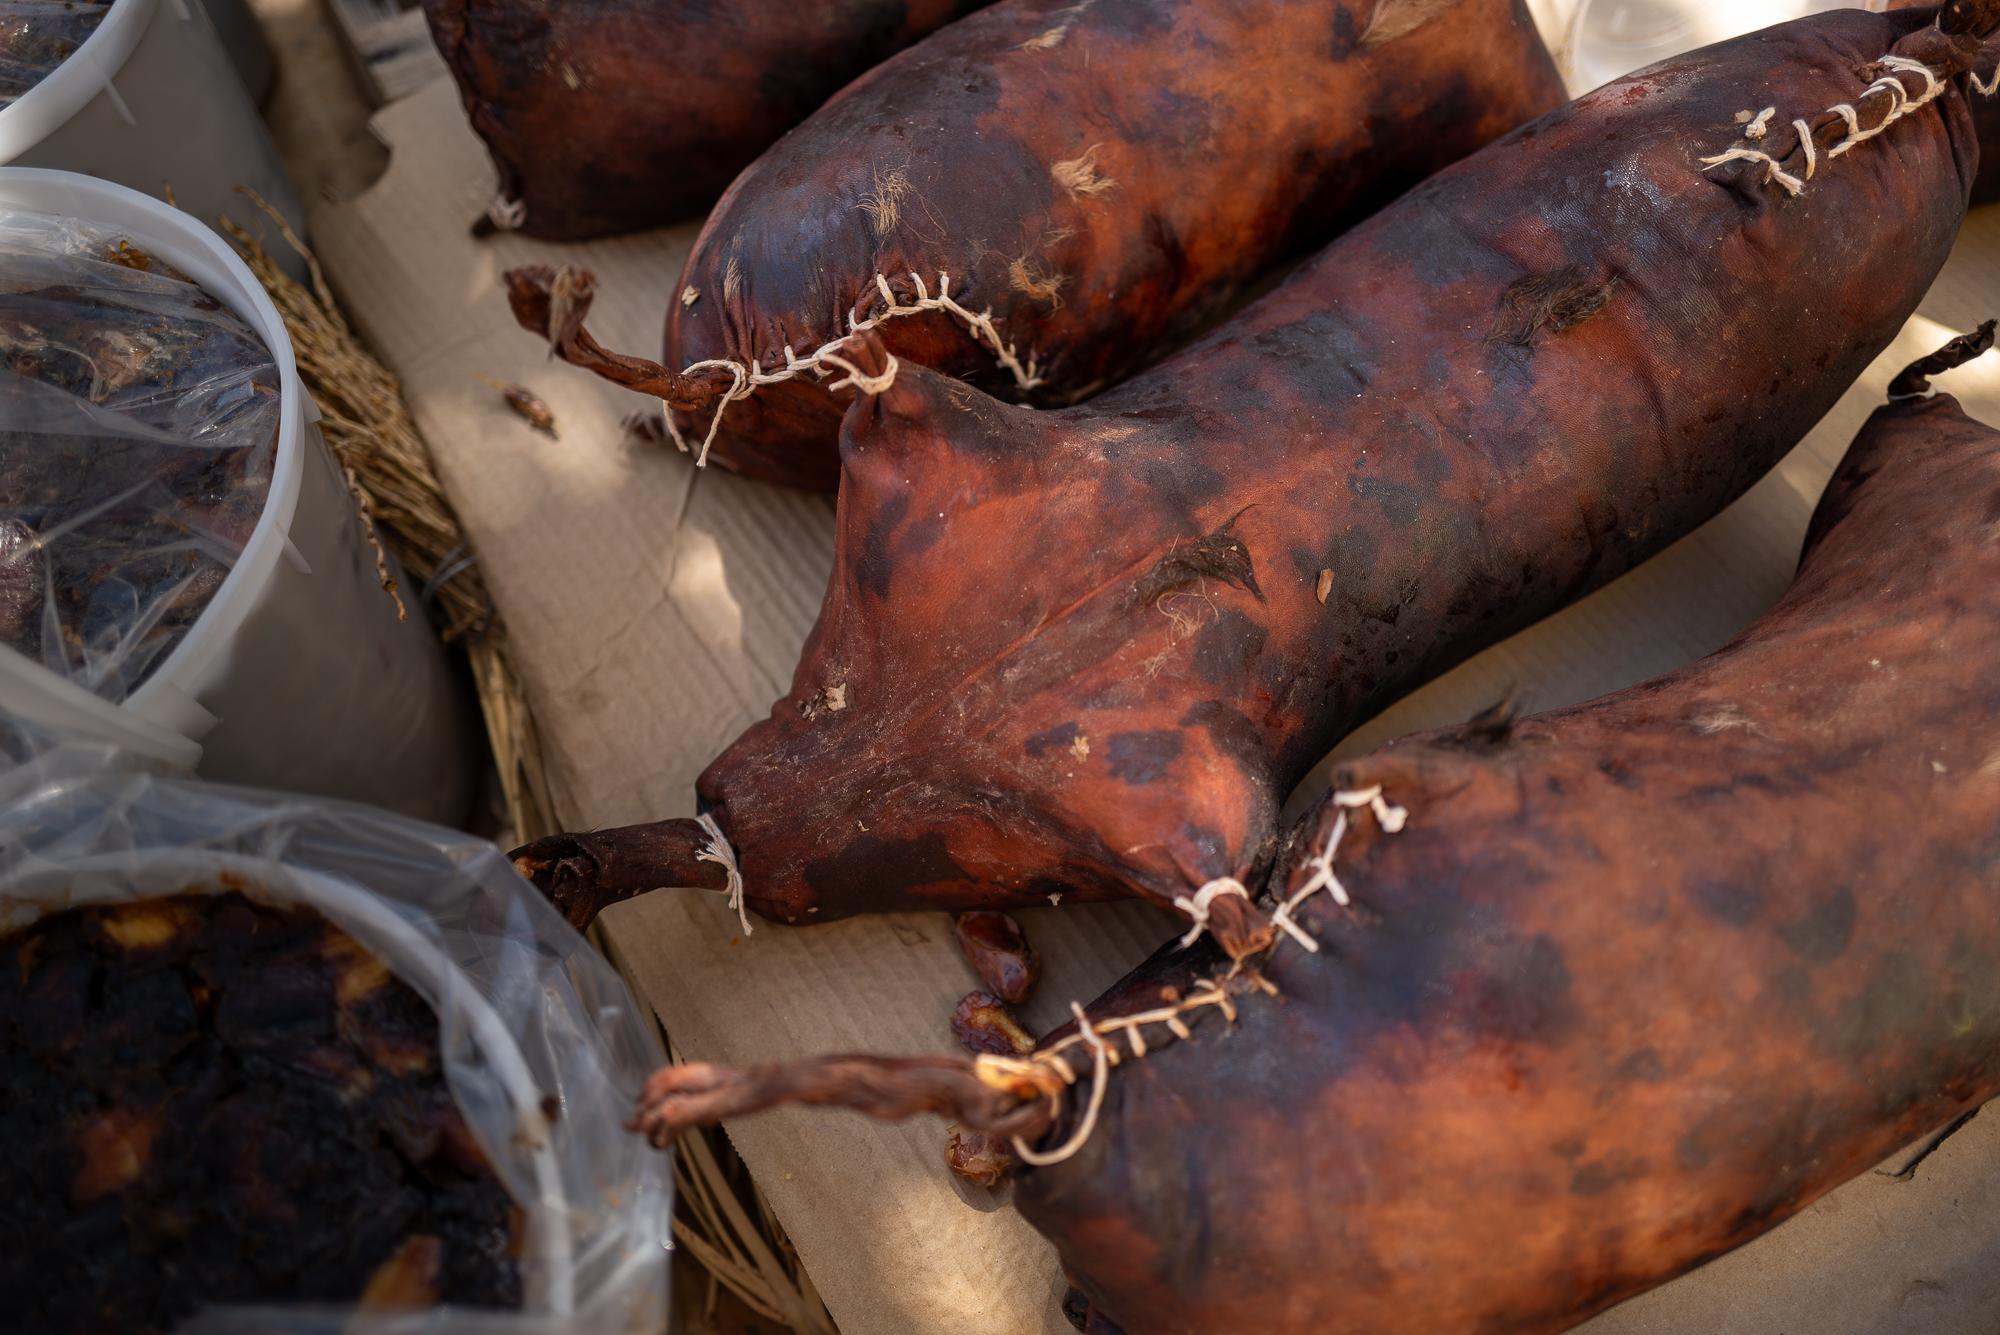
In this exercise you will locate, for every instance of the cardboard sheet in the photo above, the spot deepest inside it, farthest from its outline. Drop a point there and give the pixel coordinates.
(657, 611)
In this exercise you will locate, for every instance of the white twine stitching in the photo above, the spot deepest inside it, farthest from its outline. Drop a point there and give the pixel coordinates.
(1197, 908)
(1390, 817)
(1759, 124)
(1901, 104)
(719, 852)
(507, 214)
(1323, 878)
(1889, 85)
(1990, 87)
(746, 378)
(1211, 992)
(1933, 85)
(1812, 149)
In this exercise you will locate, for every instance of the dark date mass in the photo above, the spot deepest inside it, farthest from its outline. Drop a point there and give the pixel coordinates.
(213, 1101)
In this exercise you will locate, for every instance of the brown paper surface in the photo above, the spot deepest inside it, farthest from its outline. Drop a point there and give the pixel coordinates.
(657, 611)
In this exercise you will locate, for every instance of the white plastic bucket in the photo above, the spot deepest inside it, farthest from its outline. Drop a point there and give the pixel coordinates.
(297, 675)
(249, 50)
(118, 878)
(153, 101)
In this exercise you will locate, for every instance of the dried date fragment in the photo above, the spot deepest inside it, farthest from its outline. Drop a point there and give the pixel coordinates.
(999, 953)
(214, 1101)
(527, 405)
(981, 1022)
(977, 1157)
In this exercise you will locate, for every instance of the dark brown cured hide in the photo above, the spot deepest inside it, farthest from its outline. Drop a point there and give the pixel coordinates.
(210, 1100)
(607, 116)
(1634, 985)
(1084, 653)
(1637, 981)
(1985, 115)
(1104, 176)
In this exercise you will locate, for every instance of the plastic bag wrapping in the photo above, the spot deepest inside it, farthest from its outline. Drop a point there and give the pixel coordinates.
(528, 1011)
(38, 35)
(138, 429)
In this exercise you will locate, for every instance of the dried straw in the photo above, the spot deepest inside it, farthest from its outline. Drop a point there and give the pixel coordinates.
(744, 1249)
(720, 1219)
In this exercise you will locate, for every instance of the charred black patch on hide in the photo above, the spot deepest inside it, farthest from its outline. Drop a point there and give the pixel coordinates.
(1822, 933)
(1223, 650)
(873, 566)
(1059, 738)
(1642, 1067)
(1727, 901)
(1444, 961)
(870, 867)
(1143, 757)
(1598, 1177)
(1399, 503)
(1891, 1006)
(1619, 773)
(1527, 998)
(1231, 733)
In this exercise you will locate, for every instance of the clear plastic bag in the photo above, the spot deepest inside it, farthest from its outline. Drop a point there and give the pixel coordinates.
(138, 428)
(38, 35)
(1605, 39)
(531, 1018)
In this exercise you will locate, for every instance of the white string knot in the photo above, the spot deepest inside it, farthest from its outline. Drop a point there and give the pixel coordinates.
(719, 852)
(1197, 908)
(1100, 1073)
(746, 378)
(861, 380)
(1759, 124)
(1772, 171)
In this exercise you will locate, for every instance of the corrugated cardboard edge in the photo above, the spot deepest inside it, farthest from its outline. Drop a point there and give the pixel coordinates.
(658, 611)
